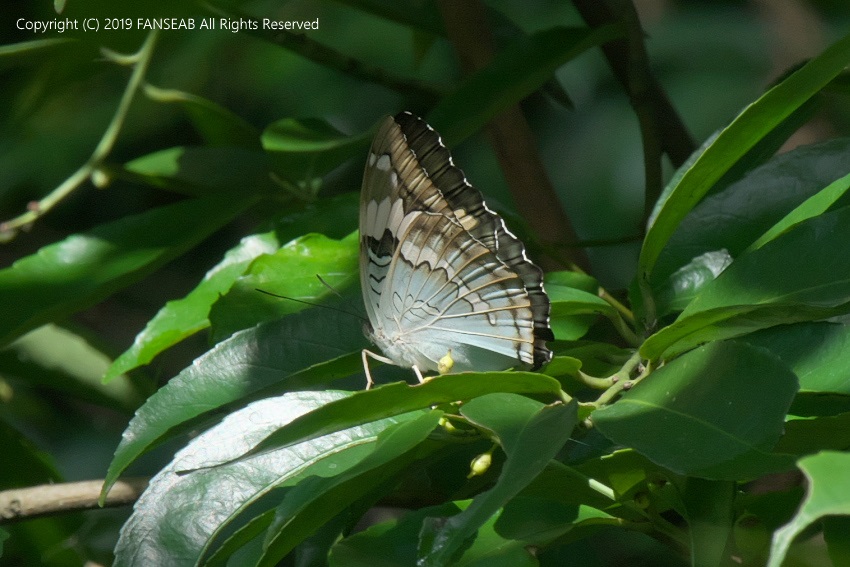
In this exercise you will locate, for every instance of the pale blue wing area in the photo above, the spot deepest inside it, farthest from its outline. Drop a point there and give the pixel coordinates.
(439, 271)
(445, 291)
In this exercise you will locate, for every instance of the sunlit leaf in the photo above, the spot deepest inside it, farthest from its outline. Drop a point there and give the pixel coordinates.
(82, 269)
(797, 276)
(715, 412)
(750, 126)
(828, 494)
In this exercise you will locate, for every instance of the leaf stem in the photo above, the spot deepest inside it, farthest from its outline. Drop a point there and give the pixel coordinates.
(37, 209)
(622, 381)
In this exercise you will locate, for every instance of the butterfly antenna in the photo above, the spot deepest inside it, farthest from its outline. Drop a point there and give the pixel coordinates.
(311, 304)
(329, 286)
(339, 295)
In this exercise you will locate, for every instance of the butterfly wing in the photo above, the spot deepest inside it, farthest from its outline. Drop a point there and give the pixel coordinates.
(439, 269)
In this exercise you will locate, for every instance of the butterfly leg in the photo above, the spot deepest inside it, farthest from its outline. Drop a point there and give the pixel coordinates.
(364, 353)
(418, 374)
(369, 381)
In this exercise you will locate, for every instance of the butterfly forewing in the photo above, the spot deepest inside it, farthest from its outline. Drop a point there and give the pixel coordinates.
(439, 270)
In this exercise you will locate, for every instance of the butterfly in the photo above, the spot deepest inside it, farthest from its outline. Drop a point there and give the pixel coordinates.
(446, 286)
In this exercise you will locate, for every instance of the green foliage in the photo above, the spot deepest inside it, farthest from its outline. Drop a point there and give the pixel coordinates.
(701, 367)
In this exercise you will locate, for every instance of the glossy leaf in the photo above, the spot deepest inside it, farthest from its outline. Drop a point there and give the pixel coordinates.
(795, 277)
(531, 436)
(815, 205)
(569, 317)
(714, 412)
(156, 532)
(292, 272)
(81, 270)
(316, 500)
(515, 72)
(269, 355)
(683, 284)
(733, 219)
(818, 353)
(750, 126)
(399, 397)
(828, 494)
(183, 317)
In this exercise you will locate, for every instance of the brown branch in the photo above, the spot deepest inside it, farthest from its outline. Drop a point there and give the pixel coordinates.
(662, 129)
(47, 499)
(512, 139)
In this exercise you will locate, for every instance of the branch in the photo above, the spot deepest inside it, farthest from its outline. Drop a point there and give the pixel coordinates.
(662, 129)
(48, 499)
(37, 209)
(512, 140)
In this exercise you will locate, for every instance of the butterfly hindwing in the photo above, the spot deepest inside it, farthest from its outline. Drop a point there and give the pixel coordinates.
(439, 270)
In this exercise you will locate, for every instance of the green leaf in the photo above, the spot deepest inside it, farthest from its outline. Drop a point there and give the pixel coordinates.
(709, 505)
(625, 472)
(683, 284)
(818, 353)
(503, 415)
(807, 436)
(276, 354)
(516, 71)
(290, 272)
(310, 147)
(156, 532)
(387, 544)
(181, 318)
(569, 487)
(184, 317)
(79, 271)
(534, 437)
(795, 277)
(238, 172)
(828, 494)
(750, 126)
(217, 125)
(815, 205)
(399, 397)
(539, 521)
(316, 500)
(570, 309)
(736, 217)
(60, 360)
(714, 412)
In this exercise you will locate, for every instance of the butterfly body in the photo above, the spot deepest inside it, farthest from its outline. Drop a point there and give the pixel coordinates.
(441, 275)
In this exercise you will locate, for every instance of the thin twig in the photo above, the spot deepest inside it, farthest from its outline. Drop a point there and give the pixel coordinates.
(50, 499)
(37, 209)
